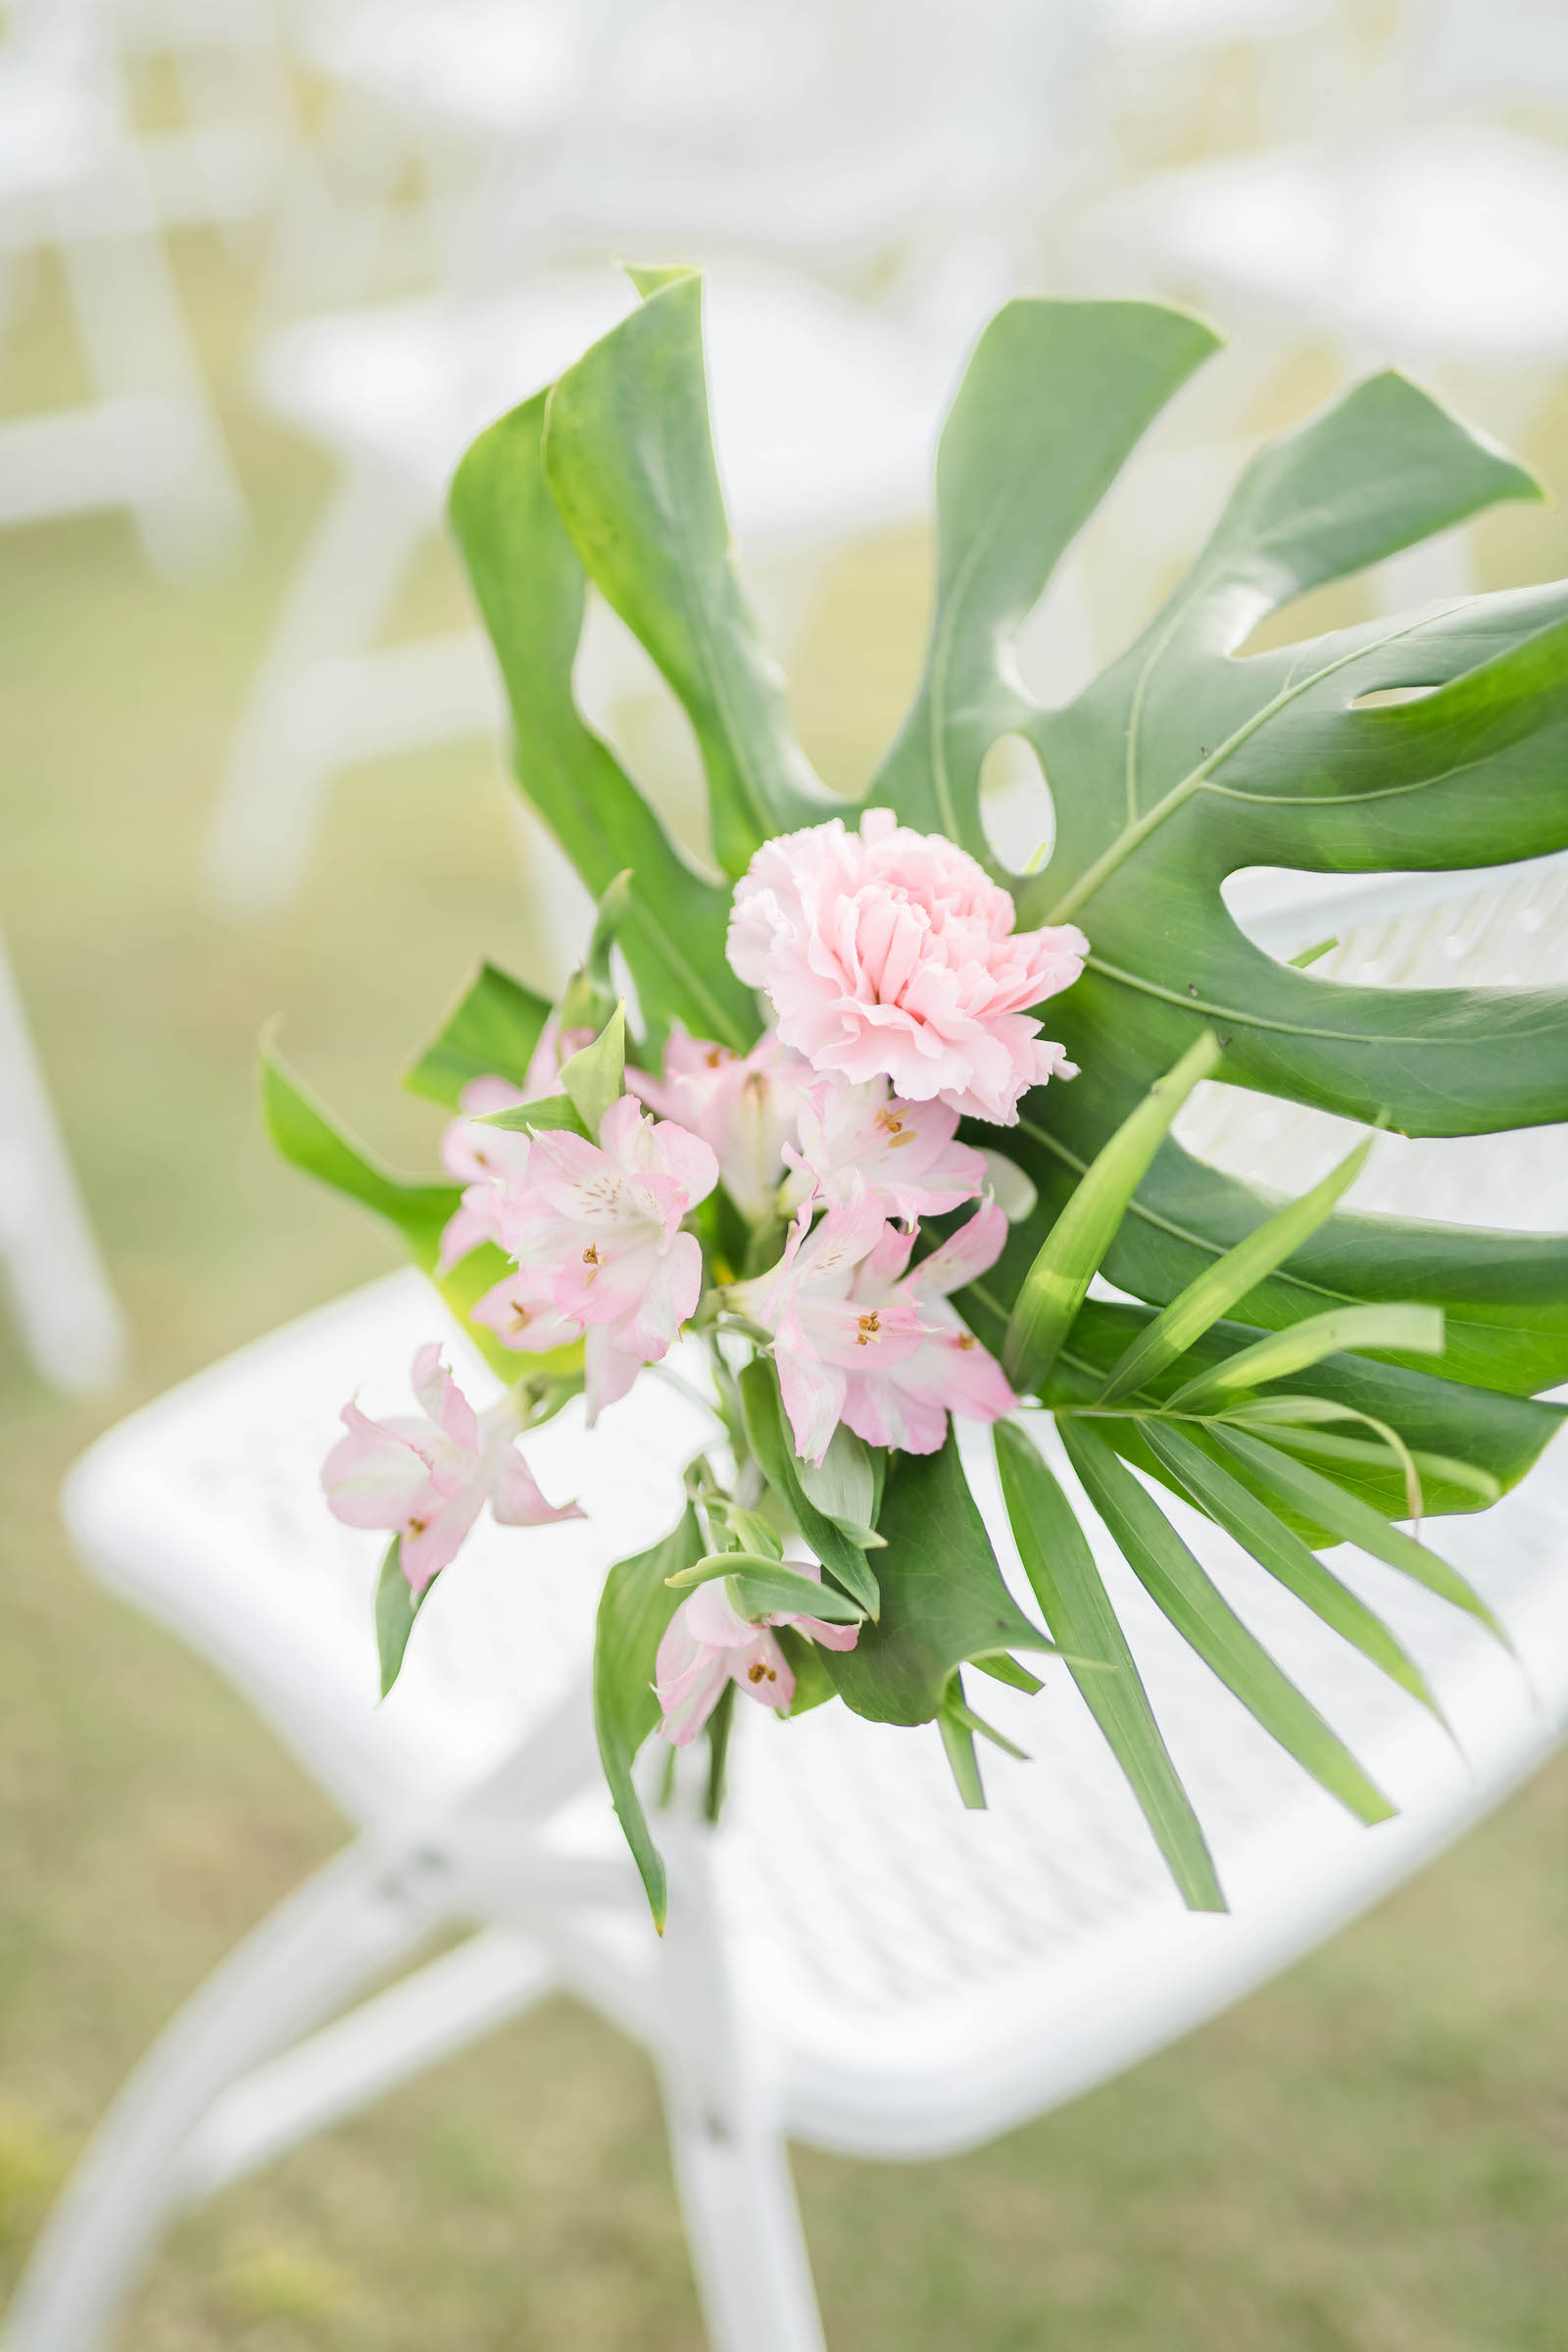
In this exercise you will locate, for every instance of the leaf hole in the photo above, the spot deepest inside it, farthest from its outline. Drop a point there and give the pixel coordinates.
(1385, 698)
(1017, 814)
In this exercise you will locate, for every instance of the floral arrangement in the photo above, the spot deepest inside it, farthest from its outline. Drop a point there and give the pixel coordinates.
(802, 1114)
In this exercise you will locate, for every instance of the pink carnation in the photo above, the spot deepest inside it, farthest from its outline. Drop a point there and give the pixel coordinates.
(889, 952)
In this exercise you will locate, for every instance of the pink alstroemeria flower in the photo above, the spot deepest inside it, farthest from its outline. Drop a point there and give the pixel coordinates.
(859, 1340)
(483, 1159)
(427, 1477)
(596, 1231)
(903, 1153)
(742, 1104)
(892, 953)
(709, 1644)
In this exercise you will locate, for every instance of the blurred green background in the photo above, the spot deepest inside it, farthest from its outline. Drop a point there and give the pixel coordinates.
(1370, 2155)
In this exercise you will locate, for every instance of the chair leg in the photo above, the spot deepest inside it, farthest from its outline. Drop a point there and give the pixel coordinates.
(64, 1305)
(289, 738)
(748, 2253)
(352, 1919)
(188, 505)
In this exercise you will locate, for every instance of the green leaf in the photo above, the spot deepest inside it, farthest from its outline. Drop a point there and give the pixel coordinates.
(1057, 1284)
(1187, 761)
(1273, 1545)
(765, 1587)
(1287, 1430)
(1232, 1277)
(1076, 1606)
(1504, 1295)
(530, 588)
(490, 1032)
(307, 1134)
(942, 1597)
(1353, 1521)
(594, 1076)
(1181, 1588)
(769, 1435)
(762, 1583)
(813, 1686)
(397, 1606)
(524, 1118)
(630, 464)
(957, 1744)
(1284, 1353)
(842, 1485)
(1056, 396)
(634, 1609)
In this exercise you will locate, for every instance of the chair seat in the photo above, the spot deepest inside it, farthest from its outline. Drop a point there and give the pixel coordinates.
(923, 1977)
(1448, 242)
(824, 413)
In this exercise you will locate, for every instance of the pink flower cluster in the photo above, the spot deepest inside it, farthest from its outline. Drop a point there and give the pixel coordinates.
(902, 998)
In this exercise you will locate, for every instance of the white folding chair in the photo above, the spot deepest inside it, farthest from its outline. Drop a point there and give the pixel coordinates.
(825, 405)
(49, 1258)
(73, 176)
(852, 1960)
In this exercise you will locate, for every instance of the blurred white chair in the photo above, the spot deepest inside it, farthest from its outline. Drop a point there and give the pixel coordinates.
(73, 176)
(226, 162)
(825, 405)
(48, 1256)
(853, 1960)
(1423, 229)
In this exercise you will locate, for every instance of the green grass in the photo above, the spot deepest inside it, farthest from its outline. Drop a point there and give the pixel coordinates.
(1370, 2156)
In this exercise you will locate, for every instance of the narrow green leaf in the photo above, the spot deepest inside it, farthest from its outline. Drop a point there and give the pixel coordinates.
(769, 1435)
(1076, 1606)
(716, 1564)
(396, 1607)
(750, 1529)
(1004, 1668)
(958, 1710)
(958, 1744)
(1304, 957)
(524, 1118)
(1429, 1468)
(590, 993)
(634, 1609)
(1217, 1288)
(490, 1032)
(1181, 1588)
(1237, 1510)
(1411, 1329)
(594, 1076)
(1355, 1522)
(1054, 1286)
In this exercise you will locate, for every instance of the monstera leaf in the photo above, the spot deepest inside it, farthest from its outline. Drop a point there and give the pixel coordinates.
(1437, 741)
(1185, 762)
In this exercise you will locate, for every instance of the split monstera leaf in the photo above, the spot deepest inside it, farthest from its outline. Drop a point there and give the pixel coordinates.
(1302, 1376)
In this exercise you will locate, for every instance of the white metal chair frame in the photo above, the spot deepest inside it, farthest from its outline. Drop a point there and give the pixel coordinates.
(73, 177)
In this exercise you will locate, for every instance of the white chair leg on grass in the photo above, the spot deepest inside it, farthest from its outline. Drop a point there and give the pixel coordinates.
(732, 2168)
(343, 1927)
(63, 1301)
